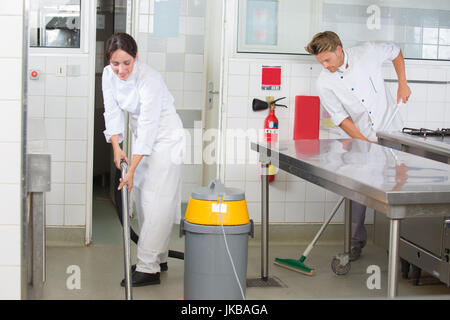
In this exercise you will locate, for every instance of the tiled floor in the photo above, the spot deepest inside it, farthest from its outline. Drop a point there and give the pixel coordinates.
(101, 269)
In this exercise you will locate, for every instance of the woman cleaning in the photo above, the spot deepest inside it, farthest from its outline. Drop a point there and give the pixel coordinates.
(158, 144)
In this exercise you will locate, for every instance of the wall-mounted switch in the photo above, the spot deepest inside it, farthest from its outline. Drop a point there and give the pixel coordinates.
(61, 71)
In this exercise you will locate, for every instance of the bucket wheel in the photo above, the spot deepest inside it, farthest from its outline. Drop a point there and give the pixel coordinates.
(340, 264)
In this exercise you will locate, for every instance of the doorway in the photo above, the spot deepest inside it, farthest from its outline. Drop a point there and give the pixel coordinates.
(112, 17)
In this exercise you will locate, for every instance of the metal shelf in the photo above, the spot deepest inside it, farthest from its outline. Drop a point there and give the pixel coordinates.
(420, 81)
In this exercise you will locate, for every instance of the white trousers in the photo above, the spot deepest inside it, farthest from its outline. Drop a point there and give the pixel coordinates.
(157, 195)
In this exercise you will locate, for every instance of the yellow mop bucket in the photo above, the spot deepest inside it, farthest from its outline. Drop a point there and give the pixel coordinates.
(205, 205)
(217, 227)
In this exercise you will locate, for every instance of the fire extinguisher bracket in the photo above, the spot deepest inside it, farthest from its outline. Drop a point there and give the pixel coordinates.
(259, 105)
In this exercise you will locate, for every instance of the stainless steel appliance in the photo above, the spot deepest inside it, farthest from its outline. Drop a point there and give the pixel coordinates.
(55, 23)
(424, 242)
(37, 183)
(363, 172)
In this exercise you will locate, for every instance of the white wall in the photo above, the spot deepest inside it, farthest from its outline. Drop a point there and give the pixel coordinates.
(11, 64)
(180, 60)
(293, 199)
(62, 102)
(65, 104)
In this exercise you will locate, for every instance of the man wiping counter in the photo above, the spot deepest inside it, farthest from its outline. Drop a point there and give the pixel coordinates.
(351, 88)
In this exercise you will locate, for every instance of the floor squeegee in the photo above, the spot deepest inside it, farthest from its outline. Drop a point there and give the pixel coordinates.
(299, 265)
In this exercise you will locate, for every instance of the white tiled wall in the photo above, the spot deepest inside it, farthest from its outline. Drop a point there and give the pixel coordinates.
(179, 59)
(180, 62)
(62, 102)
(421, 33)
(293, 199)
(11, 14)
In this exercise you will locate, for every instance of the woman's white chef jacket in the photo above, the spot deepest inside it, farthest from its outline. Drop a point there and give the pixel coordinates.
(359, 91)
(157, 131)
(149, 103)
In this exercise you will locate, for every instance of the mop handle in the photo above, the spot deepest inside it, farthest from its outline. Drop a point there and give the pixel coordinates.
(324, 225)
(126, 234)
(389, 122)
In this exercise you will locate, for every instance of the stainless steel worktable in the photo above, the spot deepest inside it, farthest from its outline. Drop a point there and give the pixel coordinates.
(424, 242)
(396, 183)
(431, 147)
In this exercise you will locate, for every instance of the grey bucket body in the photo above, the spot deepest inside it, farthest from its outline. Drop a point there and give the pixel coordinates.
(208, 273)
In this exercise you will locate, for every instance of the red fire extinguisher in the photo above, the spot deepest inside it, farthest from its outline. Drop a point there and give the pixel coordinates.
(271, 128)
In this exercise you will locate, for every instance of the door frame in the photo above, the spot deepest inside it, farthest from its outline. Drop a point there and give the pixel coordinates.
(91, 109)
(132, 7)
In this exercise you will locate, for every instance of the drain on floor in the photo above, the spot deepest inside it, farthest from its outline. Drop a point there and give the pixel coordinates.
(270, 282)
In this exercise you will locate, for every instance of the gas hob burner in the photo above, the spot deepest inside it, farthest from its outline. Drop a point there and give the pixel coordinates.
(444, 132)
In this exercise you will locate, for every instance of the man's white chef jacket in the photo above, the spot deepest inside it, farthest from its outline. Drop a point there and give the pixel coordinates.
(358, 92)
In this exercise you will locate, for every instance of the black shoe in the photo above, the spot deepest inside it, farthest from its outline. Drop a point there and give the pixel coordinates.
(140, 279)
(355, 253)
(163, 266)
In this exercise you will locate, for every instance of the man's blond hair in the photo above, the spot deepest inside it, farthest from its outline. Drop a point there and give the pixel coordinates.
(323, 41)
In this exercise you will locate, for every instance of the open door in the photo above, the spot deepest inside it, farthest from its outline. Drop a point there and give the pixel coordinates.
(214, 54)
(112, 16)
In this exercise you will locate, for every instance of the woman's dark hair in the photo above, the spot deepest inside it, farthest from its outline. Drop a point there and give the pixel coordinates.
(121, 41)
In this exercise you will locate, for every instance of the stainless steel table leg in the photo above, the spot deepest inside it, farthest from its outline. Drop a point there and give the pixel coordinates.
(265, 221)
(38, 205)
(36, 246)
(348, 226)
(393, 258)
